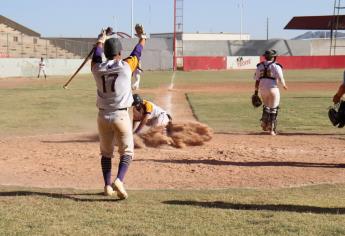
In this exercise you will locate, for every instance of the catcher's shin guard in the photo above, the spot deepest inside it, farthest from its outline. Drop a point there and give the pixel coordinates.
(265, 117)
(273, 118)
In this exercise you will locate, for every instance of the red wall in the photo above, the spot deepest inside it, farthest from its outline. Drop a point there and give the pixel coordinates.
(311, 62)
(204, 63)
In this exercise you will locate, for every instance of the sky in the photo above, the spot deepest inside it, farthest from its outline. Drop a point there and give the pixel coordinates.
(85, 18)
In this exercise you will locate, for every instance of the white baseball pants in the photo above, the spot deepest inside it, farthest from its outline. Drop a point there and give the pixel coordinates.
(115, 129)
(270, 97)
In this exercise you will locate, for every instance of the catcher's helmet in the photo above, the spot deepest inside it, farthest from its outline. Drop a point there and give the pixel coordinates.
(269, 54)
(136, 100)
(112, 47)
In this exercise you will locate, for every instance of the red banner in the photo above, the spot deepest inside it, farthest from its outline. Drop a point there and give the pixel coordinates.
(204, 63)
(311, 62)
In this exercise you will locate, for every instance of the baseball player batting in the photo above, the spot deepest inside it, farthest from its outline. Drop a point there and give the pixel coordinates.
(267, 75)
(114, 98)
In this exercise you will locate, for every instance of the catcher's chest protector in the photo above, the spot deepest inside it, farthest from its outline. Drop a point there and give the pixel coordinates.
(266, 73)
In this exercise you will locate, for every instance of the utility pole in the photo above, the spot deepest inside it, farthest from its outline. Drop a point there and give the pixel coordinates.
(132, 35)
(241, 26)
(267, 27)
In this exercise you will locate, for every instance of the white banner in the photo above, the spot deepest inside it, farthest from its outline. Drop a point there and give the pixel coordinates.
(242, 63)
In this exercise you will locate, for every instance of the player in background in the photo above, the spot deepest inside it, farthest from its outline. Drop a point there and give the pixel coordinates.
(42, 68)
(267, 75)
(114, 98)
(148, 113)
(137, 75)
(340, 92)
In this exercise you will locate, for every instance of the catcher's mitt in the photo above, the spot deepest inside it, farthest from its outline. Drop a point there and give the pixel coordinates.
(256, 100)
(139, 29)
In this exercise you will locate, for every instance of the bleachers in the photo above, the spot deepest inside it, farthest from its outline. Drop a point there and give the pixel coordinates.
(15, 44)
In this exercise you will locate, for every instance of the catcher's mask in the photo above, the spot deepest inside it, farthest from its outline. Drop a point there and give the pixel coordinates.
(112, 47)
(137, 100)
(270, 54)
(336, 115)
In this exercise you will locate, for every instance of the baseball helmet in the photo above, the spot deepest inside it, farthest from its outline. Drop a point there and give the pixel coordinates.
(136, 100)
(269, 54)
(112, 47)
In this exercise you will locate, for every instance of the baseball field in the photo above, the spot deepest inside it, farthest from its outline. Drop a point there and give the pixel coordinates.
(242, 182)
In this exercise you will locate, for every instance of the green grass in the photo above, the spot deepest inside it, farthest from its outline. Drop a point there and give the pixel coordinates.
(39, 108)
(300, 112)
(313, 210)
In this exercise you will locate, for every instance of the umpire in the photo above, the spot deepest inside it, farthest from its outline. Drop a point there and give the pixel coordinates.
(114, 98)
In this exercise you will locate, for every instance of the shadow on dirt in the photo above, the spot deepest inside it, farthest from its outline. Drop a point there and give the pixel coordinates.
(260, 207)
(83, 139)
(248, 164)
(83, 197)
(261, 133)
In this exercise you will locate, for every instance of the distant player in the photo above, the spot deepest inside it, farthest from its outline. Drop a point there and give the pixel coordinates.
(268, 74)
(340, 92)
(42, 68)
(148, 113)
(137, 76)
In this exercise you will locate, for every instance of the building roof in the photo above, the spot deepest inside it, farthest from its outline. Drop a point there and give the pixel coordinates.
(317, 22)
(19, 27)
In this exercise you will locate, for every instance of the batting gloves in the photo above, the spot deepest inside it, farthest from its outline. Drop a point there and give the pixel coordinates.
(102, 37)
(139, 29)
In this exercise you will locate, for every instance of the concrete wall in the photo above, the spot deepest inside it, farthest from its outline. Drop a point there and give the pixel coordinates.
(157, 54)
(322, 47)
(246, 48)
(28, 67)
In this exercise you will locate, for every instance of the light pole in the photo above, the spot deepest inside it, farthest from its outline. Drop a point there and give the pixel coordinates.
(241, 19)
(132, 21)
(267, 27)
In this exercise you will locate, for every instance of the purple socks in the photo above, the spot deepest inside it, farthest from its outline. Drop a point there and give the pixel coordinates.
(106, 169)
(125, 160)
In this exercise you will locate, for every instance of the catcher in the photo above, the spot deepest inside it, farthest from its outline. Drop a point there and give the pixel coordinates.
(267, 75)
(148, 113)
(336, 114)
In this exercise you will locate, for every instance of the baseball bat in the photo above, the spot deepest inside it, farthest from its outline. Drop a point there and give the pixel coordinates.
(108, 31)
(80, 67)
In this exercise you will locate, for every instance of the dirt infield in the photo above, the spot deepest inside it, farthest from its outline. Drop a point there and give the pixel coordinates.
(228, 160)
